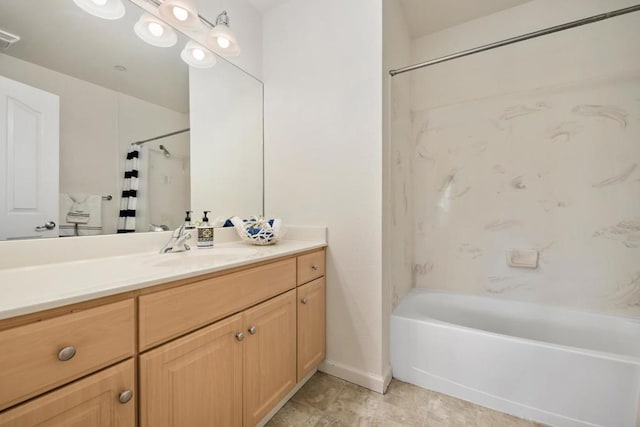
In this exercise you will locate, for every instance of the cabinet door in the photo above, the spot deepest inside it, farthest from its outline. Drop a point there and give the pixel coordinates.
(270, 355)
(195, 380)
(92, 401)
(311, 326)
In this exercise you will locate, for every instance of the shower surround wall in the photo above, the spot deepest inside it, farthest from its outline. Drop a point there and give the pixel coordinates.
(532, 146)
(398, 158)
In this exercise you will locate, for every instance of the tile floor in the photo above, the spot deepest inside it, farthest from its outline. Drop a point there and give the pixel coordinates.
(330, 401)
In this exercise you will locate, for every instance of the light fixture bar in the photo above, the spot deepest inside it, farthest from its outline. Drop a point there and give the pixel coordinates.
(204, 20)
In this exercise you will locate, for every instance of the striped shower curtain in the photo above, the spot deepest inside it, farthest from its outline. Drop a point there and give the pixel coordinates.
(127, 219)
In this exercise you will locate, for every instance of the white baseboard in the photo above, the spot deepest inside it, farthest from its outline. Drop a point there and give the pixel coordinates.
(388, 375)
(289, 395)
(377, 383)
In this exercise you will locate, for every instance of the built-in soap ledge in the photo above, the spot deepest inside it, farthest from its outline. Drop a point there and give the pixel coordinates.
(522, 258)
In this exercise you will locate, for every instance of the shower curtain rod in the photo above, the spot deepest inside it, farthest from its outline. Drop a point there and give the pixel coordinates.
(161, 136)
(517, 39)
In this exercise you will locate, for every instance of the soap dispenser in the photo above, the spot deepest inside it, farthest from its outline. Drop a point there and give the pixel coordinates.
(205, 232)
(187, 221)
(189, 228)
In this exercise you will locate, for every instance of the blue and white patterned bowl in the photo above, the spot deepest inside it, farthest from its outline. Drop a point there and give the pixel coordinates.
(258, 231)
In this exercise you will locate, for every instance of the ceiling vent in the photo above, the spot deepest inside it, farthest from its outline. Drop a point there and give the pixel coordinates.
(7, 39)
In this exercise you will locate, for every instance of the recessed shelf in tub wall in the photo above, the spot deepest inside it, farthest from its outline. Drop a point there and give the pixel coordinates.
(520, 258)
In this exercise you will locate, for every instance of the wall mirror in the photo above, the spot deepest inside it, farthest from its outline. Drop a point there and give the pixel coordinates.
(76, 91)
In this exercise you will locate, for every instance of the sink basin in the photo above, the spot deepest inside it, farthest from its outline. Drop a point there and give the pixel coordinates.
(205, 257)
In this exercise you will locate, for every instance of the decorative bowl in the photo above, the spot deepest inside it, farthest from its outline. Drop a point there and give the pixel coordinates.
(257, 230)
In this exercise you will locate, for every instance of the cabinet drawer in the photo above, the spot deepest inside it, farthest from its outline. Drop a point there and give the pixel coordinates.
(31, 357)
(92, 401)
(310, 266)
(168, 314)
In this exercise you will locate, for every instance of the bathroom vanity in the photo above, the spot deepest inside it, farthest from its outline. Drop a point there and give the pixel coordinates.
(218, 343)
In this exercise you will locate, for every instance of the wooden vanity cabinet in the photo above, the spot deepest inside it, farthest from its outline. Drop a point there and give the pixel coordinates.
(40, 356)
(196, 380)
(236, 369)
(310, 266)
(102, 399)
(269, 355)
(311, 326)
(218, 350)
(173, 312)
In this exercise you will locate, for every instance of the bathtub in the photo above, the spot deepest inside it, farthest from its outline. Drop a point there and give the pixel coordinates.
(555, 366)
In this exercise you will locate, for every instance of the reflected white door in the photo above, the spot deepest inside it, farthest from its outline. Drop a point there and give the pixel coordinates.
(29, 138)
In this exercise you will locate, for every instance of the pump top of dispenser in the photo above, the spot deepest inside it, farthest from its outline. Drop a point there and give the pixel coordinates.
(187, 219)
(205, 219)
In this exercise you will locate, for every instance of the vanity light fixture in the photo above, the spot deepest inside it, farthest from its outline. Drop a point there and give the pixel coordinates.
(155, 32)
(221, 39)
(197, 55)
(105, 9)
(181, 14)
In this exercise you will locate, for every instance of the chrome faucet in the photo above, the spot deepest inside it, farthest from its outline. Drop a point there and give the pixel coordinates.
(178, 241)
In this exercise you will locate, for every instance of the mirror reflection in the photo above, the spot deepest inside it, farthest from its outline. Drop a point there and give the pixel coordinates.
(78, 93)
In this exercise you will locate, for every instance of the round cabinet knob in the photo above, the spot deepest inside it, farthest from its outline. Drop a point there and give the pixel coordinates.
(315, 267)
(252, 330)
(66, 353)
(239, 336)
(125, 396)
(304, 300)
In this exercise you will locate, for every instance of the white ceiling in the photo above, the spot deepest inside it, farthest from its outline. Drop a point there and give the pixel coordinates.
(428, 16)
(58, 35)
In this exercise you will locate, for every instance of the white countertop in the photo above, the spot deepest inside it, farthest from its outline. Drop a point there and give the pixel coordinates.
(30, 289)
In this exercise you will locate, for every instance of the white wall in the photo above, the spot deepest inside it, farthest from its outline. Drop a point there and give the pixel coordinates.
(531, 146)
(323, 157)
(549, 60)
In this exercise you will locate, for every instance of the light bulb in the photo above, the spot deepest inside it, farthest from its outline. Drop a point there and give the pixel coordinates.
(156, 29)
(180, 13)
(223, 43)
(198, 54)
(100, 2)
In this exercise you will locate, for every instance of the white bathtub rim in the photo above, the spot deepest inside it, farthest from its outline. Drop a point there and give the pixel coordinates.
(564, 309)
(576, 350)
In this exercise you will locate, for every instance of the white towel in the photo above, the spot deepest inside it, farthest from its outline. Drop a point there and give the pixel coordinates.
(79, 212)
(66, 228)
(84, 206)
